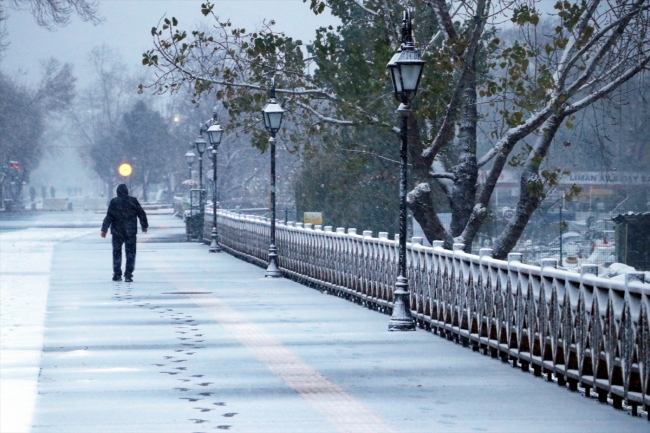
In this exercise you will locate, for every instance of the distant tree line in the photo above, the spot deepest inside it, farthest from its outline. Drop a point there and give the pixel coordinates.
(24, 115)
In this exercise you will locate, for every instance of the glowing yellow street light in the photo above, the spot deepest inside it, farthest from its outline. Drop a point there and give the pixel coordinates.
(125, 170)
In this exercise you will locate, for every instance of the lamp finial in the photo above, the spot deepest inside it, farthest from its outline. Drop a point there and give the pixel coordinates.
(272, 90)
(407, 29)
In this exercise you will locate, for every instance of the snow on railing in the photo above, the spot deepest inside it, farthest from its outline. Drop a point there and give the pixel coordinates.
(581, 328)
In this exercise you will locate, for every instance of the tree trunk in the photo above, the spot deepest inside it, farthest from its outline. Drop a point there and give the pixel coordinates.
(463, 195)
(144, 188)
(420, 199)
(532, 194)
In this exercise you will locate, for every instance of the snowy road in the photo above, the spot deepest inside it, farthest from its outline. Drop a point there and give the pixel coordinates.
(202, 342)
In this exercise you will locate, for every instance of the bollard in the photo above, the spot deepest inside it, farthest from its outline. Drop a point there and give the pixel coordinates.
(515, 257)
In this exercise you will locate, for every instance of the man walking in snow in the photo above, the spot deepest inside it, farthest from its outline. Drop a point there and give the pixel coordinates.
(122, 217)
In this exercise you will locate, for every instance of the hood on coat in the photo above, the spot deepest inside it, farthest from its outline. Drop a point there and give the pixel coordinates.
(122, 190)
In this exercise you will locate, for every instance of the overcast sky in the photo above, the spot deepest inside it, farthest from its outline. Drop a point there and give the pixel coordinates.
(127, 28)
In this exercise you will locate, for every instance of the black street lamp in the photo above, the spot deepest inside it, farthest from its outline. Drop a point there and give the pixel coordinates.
(215, 132)
(272, 113)
(201, 146)
(190, 157)
(405, 70)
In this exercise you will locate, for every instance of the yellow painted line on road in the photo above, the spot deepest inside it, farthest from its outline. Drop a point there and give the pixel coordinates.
(341, 409)
(345, 412)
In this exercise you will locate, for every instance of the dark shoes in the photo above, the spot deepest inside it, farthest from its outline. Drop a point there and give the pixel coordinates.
(127, 278)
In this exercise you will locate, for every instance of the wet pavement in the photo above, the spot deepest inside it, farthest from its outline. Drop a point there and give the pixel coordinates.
(202, 342)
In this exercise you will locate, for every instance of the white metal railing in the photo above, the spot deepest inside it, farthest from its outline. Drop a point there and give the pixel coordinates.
(581, 328)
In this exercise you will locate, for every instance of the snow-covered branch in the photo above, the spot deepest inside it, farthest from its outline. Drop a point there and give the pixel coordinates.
(322, 118)
(365, 9)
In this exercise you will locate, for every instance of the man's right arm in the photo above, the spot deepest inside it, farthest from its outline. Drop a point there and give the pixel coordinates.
(107, 219)
(142, 216)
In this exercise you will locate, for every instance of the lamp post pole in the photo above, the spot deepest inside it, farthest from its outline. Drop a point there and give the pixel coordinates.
(200, 170)
(214, 245)
(272, 269)
(272, 113)
(189, 158)
(401, 319)
(215, 133)
(201, 146)
(406, 69)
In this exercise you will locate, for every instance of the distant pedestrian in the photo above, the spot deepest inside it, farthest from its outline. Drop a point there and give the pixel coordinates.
(52, 192)
(44, 192)
(122, 217)
(32, 193)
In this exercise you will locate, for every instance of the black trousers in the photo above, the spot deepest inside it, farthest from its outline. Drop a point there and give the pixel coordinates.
(129, 248)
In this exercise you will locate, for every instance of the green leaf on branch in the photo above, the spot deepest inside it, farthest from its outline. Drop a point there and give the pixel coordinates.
(525, 15)
(206, 8)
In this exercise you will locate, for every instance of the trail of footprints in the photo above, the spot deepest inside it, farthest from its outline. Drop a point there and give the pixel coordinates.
(190, 339)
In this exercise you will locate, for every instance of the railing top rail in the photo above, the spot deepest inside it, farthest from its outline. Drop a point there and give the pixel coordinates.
(634, 282)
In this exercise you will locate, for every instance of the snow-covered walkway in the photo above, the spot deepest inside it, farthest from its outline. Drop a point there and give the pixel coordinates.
(202, 342)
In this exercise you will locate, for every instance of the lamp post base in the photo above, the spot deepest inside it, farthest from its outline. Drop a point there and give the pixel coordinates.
(272, 270)
(214, 246)
(401, 319)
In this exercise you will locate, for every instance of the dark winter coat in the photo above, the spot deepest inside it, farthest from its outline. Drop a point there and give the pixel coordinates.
(123, 213)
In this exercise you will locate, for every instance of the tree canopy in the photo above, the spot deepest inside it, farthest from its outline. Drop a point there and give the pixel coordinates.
(486, 103)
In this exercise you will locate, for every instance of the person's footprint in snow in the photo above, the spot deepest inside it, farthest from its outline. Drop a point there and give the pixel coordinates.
(203, 409)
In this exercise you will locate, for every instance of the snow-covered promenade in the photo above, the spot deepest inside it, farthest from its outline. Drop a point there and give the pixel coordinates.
(202, 342)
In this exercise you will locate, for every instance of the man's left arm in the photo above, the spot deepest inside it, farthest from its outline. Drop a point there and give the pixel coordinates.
(142, 216)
